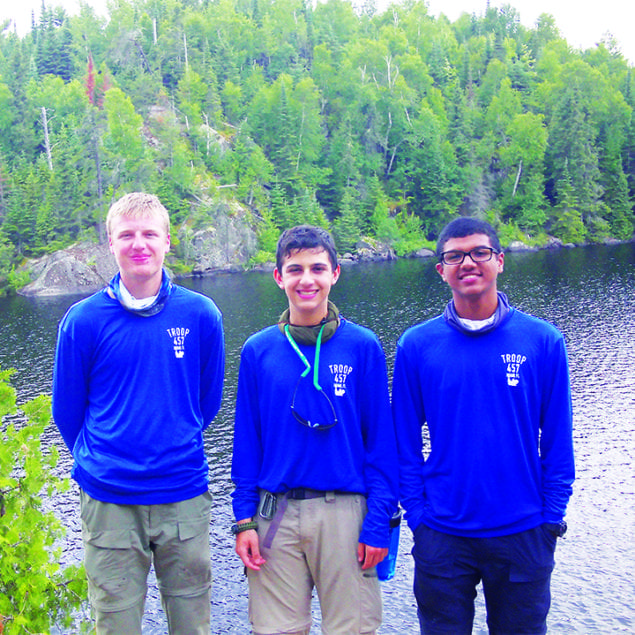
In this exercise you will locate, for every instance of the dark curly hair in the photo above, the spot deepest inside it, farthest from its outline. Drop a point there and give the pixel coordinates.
(305, 237)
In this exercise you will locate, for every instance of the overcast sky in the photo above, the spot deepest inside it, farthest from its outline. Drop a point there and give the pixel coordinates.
(582, 24)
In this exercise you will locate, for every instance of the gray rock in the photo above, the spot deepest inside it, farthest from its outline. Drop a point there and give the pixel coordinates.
(423, 253)
(517, 245)
(81, 268)
(86, 267)
(227, 247)
(369, 250)
(553, 243)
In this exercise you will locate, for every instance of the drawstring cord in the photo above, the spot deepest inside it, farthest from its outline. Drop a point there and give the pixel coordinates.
(302, 356)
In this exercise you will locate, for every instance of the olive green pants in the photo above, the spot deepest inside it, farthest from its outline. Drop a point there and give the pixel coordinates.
(120, 544)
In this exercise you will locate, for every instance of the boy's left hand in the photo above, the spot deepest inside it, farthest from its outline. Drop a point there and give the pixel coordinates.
(370, 556)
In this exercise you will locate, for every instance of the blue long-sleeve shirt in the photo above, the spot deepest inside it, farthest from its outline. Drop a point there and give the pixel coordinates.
(132, 396)
(274, 452)
(497, 408)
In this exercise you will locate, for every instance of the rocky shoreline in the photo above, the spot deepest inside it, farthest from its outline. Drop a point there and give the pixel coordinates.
(84, 268)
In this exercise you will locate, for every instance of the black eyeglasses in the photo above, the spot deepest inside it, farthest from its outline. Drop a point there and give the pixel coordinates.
(478, 254)
(314, 425)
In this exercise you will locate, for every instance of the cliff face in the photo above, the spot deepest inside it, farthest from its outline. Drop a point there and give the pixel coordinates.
(86, 267)
(228, 246)
(81, 268)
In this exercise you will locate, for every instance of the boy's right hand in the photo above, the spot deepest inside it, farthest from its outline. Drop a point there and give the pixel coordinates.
(248, 548)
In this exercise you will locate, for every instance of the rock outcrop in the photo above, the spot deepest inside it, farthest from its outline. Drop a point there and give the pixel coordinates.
(86, 267)
(369, 250)
(79, 269)
(226, 247)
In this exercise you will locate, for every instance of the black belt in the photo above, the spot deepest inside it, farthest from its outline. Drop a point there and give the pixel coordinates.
(304, 493)
(296, 494)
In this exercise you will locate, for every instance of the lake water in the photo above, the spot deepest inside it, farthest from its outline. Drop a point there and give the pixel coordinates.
(588, 293)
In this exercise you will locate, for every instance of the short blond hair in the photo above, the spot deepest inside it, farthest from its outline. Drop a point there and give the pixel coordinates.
(137, 205)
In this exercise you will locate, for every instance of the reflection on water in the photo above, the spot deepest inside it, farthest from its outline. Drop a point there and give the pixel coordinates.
(588, 293)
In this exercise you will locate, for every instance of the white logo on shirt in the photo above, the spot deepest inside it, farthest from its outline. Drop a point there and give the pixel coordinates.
(178, 335)
(340, 372)
(513, 362)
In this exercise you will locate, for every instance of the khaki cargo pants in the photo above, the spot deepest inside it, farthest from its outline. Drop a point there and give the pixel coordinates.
(121, 542)
(315, 546)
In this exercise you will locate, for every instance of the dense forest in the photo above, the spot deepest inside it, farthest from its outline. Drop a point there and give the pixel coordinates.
(376, 124)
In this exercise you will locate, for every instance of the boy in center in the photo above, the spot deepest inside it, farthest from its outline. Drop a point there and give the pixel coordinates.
(314, 461)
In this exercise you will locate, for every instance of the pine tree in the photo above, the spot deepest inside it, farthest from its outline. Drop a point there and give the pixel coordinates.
(568, 224)
(347, 227)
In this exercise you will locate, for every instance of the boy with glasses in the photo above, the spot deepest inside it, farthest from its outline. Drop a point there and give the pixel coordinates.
(314, 455)
(486, 501)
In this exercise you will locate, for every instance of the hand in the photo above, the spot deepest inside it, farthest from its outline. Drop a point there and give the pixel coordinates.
(248, 548)
(370, 556)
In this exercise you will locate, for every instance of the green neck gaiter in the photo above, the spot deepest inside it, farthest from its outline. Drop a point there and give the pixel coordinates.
(309, 334)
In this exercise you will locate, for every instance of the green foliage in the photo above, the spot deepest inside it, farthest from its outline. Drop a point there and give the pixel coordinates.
(300, 110)
(347, 227)
(262, 257)
(568, 224)
(510, 232)
(267, 234)
(36, 593)
(522, 196)
(18, 279)
(411, 236)
(5, 262)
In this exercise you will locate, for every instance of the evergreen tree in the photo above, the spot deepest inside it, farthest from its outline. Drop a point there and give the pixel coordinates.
(347, 226)
(425, 172)
(572, 140)
(619, 212)
(281, 213)
(300, 109)
(125, 150)
(252, 170)
(568, 224)
(522, 161)
(27, 193)
(54, 44)
(307, 210)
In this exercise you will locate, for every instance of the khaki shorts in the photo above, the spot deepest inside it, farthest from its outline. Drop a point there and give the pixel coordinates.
(121, 541)
(315, 546)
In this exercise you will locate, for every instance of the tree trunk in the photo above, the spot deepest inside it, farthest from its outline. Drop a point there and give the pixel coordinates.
(47, 143)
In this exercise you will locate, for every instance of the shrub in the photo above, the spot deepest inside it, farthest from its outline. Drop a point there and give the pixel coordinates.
(36, 592)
